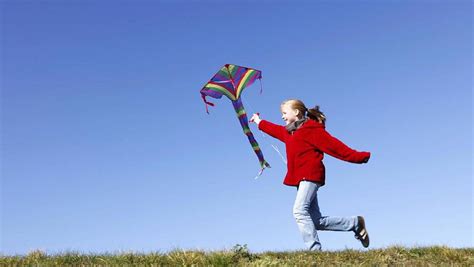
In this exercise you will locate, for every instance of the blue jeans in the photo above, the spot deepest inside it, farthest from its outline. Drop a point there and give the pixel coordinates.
(309, 219)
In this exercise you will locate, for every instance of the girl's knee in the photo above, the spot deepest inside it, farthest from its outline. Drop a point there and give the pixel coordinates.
(300, 211)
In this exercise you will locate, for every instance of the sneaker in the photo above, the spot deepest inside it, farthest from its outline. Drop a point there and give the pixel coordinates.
(361, 232)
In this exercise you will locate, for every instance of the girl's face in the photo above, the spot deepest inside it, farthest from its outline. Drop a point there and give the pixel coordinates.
(288, 114)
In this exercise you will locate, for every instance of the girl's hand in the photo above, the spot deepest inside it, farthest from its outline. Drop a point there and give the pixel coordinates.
(366, 159)
(255, 118)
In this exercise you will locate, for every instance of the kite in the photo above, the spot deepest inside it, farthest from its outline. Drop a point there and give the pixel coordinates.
(230, 81)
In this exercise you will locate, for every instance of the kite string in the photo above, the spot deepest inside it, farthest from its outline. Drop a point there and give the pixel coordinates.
(275, 147)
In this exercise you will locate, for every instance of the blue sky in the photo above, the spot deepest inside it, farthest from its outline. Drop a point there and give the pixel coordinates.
(106, 145)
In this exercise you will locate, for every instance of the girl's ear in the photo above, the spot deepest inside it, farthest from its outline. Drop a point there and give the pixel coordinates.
(299, 114)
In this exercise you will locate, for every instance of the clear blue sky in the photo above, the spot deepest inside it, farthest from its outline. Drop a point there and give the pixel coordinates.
(106, 145)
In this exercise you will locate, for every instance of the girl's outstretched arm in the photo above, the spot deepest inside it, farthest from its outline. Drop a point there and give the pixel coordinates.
(334, 147)
(277, 131)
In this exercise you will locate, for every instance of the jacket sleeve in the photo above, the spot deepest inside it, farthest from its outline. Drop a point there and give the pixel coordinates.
(277, 131)
(334, 147)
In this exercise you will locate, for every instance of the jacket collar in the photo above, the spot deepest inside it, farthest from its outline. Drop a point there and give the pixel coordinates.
(310, 124)
(295, 125)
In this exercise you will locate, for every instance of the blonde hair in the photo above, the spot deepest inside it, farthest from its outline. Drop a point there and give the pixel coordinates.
(312, 113)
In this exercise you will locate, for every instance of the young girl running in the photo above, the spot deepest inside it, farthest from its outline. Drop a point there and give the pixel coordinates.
(306, 142)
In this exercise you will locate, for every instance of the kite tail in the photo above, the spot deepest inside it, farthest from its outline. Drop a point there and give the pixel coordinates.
(207, 103)
(264, 164)
(242, 115)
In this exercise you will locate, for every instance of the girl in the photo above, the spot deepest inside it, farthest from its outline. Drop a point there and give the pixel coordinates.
(306, 142)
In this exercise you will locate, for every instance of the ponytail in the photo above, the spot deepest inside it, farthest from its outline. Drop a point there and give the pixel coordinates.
(316, 114)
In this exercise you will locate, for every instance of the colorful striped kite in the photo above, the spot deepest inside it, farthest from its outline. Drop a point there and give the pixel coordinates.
(230, 81)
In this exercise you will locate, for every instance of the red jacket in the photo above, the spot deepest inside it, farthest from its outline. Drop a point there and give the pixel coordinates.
(305, 150)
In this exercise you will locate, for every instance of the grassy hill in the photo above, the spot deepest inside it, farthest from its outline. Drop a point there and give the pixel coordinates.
(241, 256)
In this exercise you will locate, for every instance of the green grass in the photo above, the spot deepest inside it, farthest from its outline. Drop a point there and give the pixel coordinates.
(241, 256)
